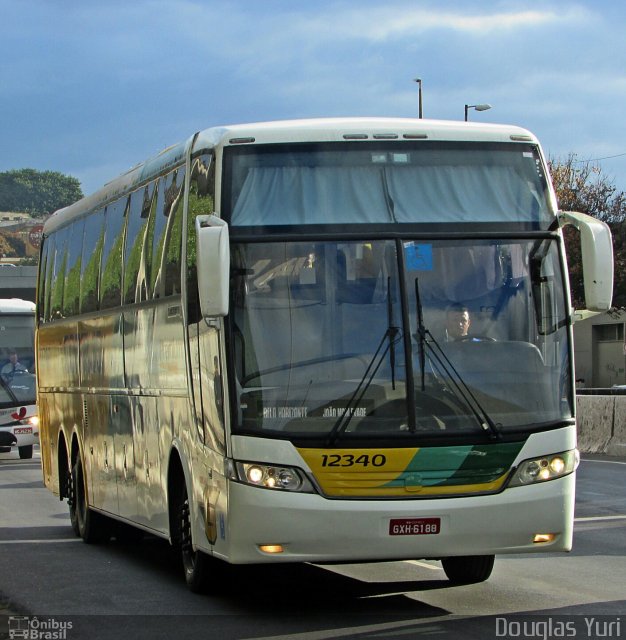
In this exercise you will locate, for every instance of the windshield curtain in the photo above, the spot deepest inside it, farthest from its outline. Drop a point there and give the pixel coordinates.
(320, 347)
(17, 360)
(397, 182)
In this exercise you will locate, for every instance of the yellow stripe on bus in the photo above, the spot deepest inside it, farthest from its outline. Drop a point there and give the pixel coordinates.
(370, 472)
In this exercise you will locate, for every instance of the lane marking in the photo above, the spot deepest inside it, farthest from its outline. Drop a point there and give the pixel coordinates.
(602, 461)
(599, 518)
(41, 541)
(424, 565)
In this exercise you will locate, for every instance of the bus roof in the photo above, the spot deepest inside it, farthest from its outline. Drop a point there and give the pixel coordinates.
(340, 129)
(16, 305)
(286, 131)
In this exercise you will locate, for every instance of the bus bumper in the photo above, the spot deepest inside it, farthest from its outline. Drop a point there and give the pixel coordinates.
(311, 528)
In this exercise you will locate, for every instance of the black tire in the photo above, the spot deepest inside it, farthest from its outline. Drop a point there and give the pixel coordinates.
(195, 563)
(92, 527)
(26, 451)
(71, 502)
(468, 569)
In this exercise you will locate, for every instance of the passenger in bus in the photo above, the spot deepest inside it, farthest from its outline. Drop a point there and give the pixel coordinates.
(12, 367)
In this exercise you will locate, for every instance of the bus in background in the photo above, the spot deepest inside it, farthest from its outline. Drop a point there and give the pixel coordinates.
(243, 347)
(19, 423)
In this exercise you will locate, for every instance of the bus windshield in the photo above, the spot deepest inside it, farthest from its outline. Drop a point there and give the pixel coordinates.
(17, 359)
(385, 337)
(385, 182)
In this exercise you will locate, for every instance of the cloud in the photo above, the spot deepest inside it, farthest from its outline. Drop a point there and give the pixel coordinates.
(382, 25)
(398, 21)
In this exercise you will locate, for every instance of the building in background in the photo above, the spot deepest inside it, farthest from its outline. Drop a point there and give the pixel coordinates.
(20, 239)
(600, 350)
(20, 236)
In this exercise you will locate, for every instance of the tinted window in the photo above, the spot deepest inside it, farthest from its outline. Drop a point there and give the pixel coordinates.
(42, 289)
(385, 182)
(165, 272)
(201, 201)
(71, 295)
(58, 273)
(135, 281)
(90, 262)
(110, 285)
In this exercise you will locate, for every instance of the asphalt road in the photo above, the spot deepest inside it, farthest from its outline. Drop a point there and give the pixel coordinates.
(52, 581)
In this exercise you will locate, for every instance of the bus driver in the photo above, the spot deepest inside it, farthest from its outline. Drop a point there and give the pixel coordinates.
(457, 322)
(12, 367)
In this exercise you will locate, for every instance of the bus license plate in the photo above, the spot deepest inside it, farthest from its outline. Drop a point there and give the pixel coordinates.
(414, 526)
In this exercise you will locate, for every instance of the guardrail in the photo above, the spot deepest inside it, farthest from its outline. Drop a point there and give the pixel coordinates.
(610, 391)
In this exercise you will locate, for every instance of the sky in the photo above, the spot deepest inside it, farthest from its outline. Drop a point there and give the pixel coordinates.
(90, 89)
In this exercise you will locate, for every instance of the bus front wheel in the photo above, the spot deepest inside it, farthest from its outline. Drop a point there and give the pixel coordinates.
(468, 569)
(195, 563)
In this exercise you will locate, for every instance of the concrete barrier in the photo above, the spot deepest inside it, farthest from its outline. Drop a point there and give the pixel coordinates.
(601, 424)
(617, 445)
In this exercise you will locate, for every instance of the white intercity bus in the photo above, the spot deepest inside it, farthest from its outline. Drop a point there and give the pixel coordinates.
(19, 423)
(319, 341)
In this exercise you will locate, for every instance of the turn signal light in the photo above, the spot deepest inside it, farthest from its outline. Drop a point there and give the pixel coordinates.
(271, 548)
(542, 538)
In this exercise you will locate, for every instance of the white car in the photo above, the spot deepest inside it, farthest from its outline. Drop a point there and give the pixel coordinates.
(19, 420)
(19, 427)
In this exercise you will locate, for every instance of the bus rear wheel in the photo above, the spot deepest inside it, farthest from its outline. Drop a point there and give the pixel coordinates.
(71, 500)
(92, 527)
(468, 569)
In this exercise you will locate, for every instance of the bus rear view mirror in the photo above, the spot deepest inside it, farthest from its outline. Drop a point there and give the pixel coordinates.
(597, 258)
(213, 263)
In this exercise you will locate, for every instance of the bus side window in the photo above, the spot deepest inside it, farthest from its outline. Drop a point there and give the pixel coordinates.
(43, 296)
(143, 289)
(173, 247)
(201, 201)
(58, 273)
(166, 245)
(93, 241)
(136, 268)
(71, 294)
(111, 284)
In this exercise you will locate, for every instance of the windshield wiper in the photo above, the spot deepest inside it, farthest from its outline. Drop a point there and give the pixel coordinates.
(421, 333)
(444, 366)
(391, 336)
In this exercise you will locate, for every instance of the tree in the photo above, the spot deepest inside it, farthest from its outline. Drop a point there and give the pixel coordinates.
(38, 193)
(582, 186)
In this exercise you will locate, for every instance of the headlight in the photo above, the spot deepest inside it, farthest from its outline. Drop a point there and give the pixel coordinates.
(545, 468)
(269, 476)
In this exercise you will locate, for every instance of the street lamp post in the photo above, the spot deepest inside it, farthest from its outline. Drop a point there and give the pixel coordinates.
(419, 84)
(478, 107)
